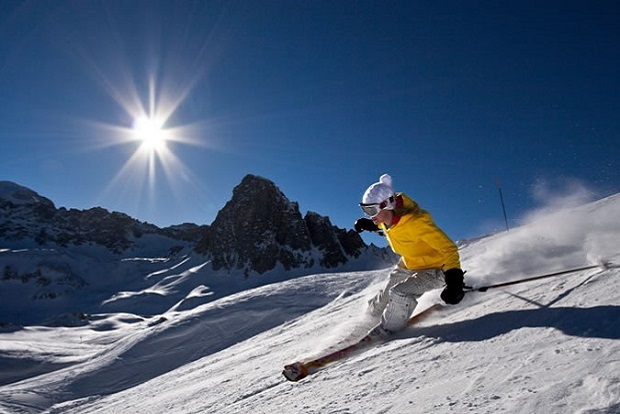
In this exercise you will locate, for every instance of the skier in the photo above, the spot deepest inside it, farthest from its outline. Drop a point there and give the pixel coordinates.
(429, 258)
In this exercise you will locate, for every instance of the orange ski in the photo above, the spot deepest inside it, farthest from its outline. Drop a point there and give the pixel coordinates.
(299, 370)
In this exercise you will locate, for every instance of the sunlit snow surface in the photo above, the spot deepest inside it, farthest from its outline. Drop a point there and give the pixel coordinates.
(549, 346)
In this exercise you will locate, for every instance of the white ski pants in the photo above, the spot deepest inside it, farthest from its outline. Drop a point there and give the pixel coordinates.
(396, 302)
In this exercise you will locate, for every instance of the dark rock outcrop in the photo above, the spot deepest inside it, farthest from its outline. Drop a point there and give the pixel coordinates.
(259, 229)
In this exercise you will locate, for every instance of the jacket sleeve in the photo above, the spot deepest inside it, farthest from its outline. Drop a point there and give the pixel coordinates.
(437, 240)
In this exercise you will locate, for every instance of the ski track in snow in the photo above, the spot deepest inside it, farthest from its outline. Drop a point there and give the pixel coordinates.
(549, 346)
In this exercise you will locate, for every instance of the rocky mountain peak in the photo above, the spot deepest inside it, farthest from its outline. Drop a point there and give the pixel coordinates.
(12, 194)
(260, 228)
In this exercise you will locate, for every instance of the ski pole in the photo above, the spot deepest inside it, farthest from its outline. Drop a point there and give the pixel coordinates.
(603, 266)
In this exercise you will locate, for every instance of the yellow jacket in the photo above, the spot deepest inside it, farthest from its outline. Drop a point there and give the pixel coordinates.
(418, 240)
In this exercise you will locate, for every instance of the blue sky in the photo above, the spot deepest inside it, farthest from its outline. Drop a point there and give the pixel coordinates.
(320, 97)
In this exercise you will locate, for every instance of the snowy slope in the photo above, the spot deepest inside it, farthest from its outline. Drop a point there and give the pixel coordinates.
(549, 346)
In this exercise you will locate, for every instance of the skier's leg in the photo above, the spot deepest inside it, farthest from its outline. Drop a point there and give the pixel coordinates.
(398, 311)
(403, 298)
(420, 282)
(377, 304)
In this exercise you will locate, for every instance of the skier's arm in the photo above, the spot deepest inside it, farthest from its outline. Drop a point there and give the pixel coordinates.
(437, 240)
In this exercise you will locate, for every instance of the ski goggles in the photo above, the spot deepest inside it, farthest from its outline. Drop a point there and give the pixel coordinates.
(373, 209)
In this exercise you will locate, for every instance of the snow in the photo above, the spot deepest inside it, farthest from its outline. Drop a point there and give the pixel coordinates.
(551, 345)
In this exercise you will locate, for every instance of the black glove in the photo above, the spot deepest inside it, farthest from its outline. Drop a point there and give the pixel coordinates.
(365, 224)
(453, 292)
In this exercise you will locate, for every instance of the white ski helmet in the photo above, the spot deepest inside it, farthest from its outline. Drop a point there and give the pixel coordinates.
(380, 192)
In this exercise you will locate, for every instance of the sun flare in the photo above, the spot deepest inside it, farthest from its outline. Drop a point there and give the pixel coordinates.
(155, 132)
(150, 132)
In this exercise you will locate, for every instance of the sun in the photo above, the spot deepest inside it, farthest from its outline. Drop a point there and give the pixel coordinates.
(150, 132)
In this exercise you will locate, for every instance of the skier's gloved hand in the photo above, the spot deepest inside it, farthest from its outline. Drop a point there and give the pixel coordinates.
(453, 292)
(365, 224)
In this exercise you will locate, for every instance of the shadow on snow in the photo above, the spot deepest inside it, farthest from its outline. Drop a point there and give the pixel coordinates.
(594, 322)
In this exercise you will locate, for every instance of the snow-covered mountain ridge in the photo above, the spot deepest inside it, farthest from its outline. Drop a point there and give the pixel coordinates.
(58, 265)
(550, 346)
